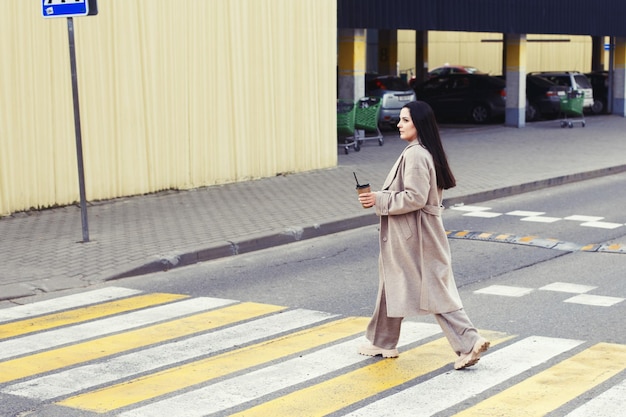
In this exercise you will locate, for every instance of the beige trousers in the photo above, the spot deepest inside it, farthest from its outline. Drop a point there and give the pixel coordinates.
(384, 332)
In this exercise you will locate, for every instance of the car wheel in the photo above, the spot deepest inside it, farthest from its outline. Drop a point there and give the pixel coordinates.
(480, 113)
(532, 113)
(598, 107)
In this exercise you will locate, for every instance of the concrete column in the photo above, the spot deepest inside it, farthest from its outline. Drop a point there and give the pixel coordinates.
(515, 45)
(371, 53)
(421, 55)
(619, 78)
(504, 35)
(351, 46)
(597, 53)
(387, 52)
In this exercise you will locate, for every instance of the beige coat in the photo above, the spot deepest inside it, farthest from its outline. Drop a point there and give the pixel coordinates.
(414, 263)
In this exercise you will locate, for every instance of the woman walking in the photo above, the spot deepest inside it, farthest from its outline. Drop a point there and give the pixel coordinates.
(415, 272)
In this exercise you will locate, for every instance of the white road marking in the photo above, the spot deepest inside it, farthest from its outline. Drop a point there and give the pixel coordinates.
(238, 390)
(470, 208)
(505, 290)
(499, 367)
(540, 219)
(610, 403)
(73, 380)
(537, 216)
(567, 287)
(66, 302)
(47, 340)
(594, 300)
(602, 225)
(446, 390)
(522, 213)
(483, 214)
(579, 218)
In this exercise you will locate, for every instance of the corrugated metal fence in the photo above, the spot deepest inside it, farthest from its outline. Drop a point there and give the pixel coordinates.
(174, 94)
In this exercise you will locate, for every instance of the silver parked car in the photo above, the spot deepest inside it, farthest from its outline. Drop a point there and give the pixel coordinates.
(394, 93)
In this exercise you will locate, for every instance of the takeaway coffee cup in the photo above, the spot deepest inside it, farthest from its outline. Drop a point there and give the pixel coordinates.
(363, 188)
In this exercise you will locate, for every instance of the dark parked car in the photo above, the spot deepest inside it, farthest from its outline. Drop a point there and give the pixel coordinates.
(394, 93)
(600, 83)
(453, 69)
(479, 98)
(544, 98)
(447, 70)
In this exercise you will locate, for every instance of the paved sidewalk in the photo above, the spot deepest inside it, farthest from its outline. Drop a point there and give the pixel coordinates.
(42, 251)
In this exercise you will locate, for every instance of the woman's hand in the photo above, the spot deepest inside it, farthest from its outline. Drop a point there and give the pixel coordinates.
(367, 200)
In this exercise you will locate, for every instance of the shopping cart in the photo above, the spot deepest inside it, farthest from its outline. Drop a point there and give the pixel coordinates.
(366, 120)
(572, 106)
(345, 125)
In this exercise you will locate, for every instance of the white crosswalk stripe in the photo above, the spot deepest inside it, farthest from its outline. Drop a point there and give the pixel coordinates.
(62, 303)
(440, 392)
(227, 357)
(564, 287)
(237, 390)
(608, 404)
(73, 334)
(536, 216)
(84, 377)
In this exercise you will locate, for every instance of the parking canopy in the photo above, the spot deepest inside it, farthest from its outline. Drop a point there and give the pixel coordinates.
(574, 17)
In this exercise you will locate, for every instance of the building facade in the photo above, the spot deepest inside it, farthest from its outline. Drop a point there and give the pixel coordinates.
(180, 94)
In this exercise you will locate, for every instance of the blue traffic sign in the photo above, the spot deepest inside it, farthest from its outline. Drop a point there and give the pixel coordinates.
(68, 8)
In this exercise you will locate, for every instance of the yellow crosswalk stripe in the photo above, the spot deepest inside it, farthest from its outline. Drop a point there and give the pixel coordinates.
(94, 349)
(543, 393)
(171, 380)
(84, 314)
(552, 388)
(337, 393)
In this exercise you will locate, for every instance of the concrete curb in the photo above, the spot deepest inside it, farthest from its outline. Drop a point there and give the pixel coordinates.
(533, 186)
(250, 244)
(297, 233)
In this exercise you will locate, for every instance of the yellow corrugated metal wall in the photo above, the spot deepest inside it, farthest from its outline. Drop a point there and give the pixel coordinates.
(173, 94)
(484, 51)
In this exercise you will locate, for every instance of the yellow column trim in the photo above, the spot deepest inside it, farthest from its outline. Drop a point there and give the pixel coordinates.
(351, 55)
(516, 53)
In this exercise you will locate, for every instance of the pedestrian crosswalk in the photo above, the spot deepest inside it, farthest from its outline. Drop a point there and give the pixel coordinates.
(537, 216)
(121, 352)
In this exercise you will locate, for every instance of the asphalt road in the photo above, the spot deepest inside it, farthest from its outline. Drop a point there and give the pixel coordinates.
(275, 332)
(338, 273)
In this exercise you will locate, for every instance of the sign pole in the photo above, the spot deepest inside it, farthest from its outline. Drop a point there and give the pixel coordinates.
(65, 8)
(79, 142)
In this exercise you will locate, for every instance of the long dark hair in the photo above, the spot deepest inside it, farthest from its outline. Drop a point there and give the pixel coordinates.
(428, 134)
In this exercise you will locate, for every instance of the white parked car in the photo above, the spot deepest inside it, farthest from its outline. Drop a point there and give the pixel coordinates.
(575, 80)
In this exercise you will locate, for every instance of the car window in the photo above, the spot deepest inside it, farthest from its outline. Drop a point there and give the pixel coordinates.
(597, 81)
(439, 72)
(582, 81)
(540, 82)
(472, 70)
(460, 83)
(560, 80)
(435, 83)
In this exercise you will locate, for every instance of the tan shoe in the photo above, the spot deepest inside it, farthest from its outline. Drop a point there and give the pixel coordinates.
(371, 350)
(472, 357)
